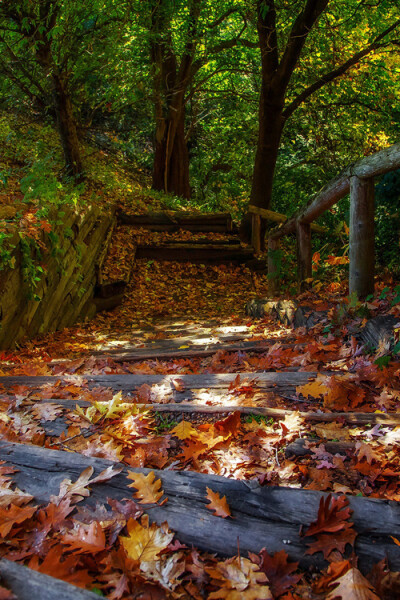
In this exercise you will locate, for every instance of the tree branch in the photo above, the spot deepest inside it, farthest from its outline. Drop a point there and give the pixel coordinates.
(328, 77)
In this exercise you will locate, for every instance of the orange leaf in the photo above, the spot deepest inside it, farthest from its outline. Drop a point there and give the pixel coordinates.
(218, 504)
(148, 490)
(13, 515)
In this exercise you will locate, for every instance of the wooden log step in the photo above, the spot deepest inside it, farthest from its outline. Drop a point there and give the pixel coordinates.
(109, 303)
(185, 252)
(172, 221)
(266, 516)
(28, 584)
(188, 409)
(281, 382)
(299, 447)
(165, 349)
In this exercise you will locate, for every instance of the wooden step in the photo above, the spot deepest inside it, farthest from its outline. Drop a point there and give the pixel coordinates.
(191, 385)
(170, 349)
(172, 221)
(267, 516)
(186, 252)
(28, 584)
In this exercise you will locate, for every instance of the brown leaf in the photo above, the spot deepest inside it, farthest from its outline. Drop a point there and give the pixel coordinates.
(217, 504)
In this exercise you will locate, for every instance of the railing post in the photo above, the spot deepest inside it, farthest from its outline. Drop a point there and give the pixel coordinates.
(256, 233)
(361, 237)
(304, 266)
(273, 267)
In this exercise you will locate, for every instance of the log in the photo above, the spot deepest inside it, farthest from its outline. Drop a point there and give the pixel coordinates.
(185, 252)
(361, 237)
(28, 584)
(172, 221)
(171, 350)
(281, 383)
(110, 303)
(107, 290)
(379, 330)
(298, 447)
(266, 516)
(256, 233)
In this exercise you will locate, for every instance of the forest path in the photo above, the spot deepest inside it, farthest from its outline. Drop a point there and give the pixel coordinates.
(232, 416)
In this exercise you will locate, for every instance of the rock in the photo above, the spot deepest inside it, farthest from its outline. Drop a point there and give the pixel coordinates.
(287, 312)
(379, 330)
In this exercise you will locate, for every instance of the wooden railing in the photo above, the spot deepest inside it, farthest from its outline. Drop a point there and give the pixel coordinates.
(358, 179)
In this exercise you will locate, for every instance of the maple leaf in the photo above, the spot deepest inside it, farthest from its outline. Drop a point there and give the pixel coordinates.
(332, 515)
(278, 570)
(217, 504)
(84, 540)
(13, 515)
(144, 543)
(238, 579)
(184, 430)
(148, 490)
(352, 585)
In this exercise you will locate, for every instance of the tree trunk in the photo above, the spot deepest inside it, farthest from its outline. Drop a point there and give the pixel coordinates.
(171, 157)
(271, 122)
(67, 129)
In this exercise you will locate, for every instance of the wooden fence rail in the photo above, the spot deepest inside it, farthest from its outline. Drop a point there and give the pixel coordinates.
(358, 179)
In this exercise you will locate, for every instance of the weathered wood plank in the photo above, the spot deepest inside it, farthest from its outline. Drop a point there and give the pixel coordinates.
(172, 349)
(361, 237)
(275, 381)
(266, 516)
(172, 221)
(275, 217)
(28, 584)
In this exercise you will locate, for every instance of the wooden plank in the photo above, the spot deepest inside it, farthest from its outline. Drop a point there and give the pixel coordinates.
(275, 217)
(299, 448)
(280, 382)
(350, 418)
(184, 252)
(28, 584)
(172, 350)
(265, 516)
(304, 266)
(172, 221)
(361, 237)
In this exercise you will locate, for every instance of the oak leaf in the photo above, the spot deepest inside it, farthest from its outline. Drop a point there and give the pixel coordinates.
(144, 543)
(78, 490)
(352, 586)
(315, 388)
(148, 490)
(217, 504)
(335, 570)
(329, 542)
(62, 567)
(238, 579)
(14, 515)
(85, 540)
(332, 515)
(279, 572)
(165, 570)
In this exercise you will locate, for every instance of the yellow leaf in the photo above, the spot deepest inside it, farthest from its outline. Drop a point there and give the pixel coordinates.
(315, 388)
(148, 490)
(182, 347)
(184, 430)
(144, 543)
